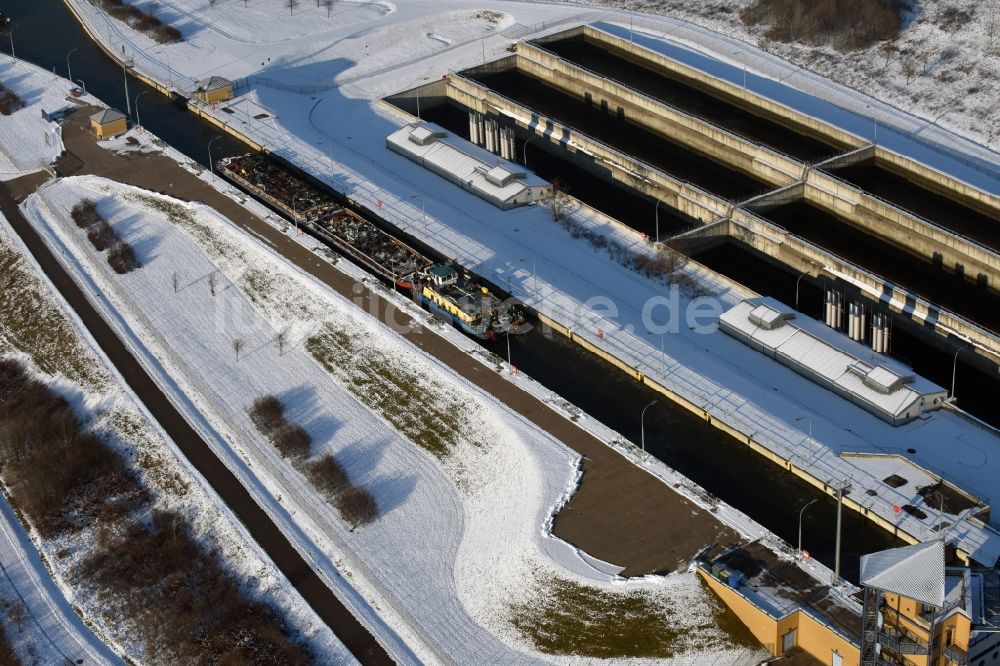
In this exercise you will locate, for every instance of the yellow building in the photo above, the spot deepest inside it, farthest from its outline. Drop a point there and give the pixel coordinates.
(214, 89)
(108, 123)
(911, 610)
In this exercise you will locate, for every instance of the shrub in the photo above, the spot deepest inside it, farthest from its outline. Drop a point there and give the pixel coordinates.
(357, 506)
(9, 101)
(267, 414)
(186, 604)
(847, 24)
(85, 213)
(101, 236)
(122, 258)
(292, 440)
(328, 476)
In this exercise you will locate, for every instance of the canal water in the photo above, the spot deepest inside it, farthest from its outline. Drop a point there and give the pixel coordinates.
(44, 33)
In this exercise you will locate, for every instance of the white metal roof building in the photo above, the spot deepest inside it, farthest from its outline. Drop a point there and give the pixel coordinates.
(916, 572)
(502, 183)
(879, 385)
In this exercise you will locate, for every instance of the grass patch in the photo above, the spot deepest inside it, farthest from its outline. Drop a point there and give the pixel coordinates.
(579, 620)
(31, 323)
(429, 418)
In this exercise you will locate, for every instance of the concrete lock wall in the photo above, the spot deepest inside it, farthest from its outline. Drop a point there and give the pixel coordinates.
(802, 255)
(625, 169)
(732, 92)
(917, 236)
(677, 126)
(953, 188)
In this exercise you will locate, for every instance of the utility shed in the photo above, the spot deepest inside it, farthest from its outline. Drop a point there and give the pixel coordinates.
(214, 89)
(875, 383)
(108, 123)
(504, 184)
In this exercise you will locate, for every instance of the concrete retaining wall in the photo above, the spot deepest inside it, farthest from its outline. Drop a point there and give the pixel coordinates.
(735, 94)
(803, 256)
(934, 180)
(589, 152)
(917, 236)
(679, 127)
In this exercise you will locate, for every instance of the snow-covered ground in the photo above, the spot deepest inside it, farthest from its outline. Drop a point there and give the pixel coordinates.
(461, 549)
(50, 630)
(29, 142)
(72, 363)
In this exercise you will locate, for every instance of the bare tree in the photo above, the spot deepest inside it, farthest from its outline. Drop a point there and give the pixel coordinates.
(282, 338)
(238, 344)
(175, 281)
(211, 3)
(16, 614)
(213, 282)
(558, 200)
(329, 7)
(292, 6)
(909, 69)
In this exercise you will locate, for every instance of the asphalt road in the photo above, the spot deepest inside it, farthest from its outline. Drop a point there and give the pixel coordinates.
(263, 530)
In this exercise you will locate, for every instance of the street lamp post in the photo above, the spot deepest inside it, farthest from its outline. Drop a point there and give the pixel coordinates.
(875, 119)
(801, 512)
(138, 120)
(954, 371)
(642, 428)
(69, 69)
(737, 53)
(809, 421)
(524, 151)
(797, 281)
(128, 102)
(656, 214)
(211, 164)
(10, 34)
(423, 211)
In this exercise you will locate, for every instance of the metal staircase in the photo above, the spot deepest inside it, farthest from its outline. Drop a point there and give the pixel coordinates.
(869, 627)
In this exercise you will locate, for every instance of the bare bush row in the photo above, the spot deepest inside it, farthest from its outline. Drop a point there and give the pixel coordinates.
(354, 503)
(9, 101)
(186, 606)
(144, 22)
(121, 256)
(845, 24)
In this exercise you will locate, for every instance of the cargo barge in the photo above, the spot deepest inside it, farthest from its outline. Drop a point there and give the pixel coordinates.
(443, 289)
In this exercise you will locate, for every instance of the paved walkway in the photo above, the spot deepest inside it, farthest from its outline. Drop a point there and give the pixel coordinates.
(620, 513)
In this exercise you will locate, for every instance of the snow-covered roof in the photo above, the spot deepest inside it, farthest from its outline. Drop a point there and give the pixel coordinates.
(882, 386)
(915, 572)
(213, 83)
(499, 181)
(105, 116)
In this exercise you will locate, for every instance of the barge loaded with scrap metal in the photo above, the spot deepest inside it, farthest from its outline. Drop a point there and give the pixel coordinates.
(442, 288)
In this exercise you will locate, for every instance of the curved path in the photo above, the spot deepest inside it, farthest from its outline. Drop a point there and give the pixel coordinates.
(331, 611)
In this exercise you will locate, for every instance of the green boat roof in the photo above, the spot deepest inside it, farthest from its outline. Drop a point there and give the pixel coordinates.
(442, 271)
